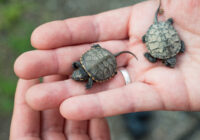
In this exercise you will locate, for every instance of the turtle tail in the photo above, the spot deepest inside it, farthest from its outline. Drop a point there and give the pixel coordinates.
(119, 53)
(156, 15)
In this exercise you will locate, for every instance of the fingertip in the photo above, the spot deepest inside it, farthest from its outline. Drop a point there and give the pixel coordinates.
(67, 110)
(17, 69)
(26, 66)
(39, 99)
(50, 35)
(34, 100)
(72, 109)
(21, 66)
(35, 38)
(81, 107)
(46, 95)
(35, 64)
(38, 37)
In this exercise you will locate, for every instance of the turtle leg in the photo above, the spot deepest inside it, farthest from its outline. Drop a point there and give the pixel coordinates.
(182, 47)
(89, 83)
(150, 58)
(96, 46)
(76, 65)
(170, 62)
(170, 20)
(143, 38)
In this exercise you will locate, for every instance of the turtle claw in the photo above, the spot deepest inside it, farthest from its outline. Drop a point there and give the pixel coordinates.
(150, 58)
(96, 46)
(170, 20)
(143, 38)
(182, 47)
(89, 83)
(170, 62)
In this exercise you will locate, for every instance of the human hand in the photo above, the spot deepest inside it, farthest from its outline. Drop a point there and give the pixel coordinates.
(28, 124)
(153, 87)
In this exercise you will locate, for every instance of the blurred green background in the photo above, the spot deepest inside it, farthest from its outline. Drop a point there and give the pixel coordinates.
(18, 18)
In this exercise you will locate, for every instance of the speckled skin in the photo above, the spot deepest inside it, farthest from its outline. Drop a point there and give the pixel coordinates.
(162, 40)
(99, 63)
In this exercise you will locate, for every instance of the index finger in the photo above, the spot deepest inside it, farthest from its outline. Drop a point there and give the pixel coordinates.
(87, 29)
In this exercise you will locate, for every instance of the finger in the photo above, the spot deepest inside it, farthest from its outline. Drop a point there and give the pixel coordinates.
(131, 98)
(185, 11)
(138, 24)
(52, 125)
(99, 130)
(51, 95)
(40, 63)
(105, 26)
(77, 130)
(52, 121)
(25, 121)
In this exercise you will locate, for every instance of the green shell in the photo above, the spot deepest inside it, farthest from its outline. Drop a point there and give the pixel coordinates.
(99, 63)
(162, 40)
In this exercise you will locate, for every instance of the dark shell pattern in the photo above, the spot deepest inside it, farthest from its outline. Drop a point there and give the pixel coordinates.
(162, 40)
(99, 63)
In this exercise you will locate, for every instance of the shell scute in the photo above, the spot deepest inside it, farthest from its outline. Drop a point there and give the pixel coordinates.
(99, 63)
(162, 40)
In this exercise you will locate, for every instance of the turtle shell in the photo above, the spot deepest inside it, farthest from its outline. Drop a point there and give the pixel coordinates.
(162, 40)
(99, 63)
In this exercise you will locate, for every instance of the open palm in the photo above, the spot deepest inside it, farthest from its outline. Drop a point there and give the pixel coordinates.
(153, 87)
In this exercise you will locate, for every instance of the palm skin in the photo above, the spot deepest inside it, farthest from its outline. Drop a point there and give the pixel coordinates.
(153, 87)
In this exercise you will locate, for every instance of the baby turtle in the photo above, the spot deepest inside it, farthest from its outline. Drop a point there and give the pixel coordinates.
(163, 42)
(97, 64)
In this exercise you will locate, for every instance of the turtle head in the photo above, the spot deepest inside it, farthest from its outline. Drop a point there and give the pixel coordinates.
(80, 74)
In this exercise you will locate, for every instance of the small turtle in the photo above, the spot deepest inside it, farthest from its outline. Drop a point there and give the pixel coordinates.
(97, 64)
(163, 42)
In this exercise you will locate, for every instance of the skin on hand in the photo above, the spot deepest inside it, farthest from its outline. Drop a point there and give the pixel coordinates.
(28, 124)
(153, 87)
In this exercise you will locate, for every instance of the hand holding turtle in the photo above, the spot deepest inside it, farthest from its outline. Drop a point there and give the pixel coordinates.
(153, 87)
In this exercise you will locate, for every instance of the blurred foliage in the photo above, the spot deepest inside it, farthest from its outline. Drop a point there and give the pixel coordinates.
(20, 40)
(9, 14)
(15, 32)
(3, 1)
(7, 88)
